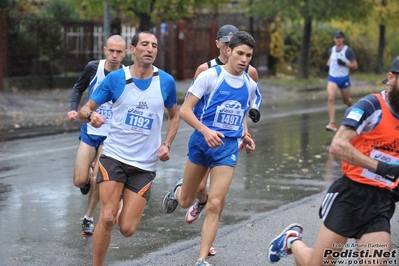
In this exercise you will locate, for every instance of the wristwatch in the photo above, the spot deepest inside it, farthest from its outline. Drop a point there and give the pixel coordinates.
(88, 115)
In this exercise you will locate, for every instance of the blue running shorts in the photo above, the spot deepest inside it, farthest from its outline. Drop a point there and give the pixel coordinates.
(200, 153)
(342, 82)
(91, 140)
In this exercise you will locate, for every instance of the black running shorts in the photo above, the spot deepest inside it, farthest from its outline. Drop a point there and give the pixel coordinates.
(352, 209)
(135, 179)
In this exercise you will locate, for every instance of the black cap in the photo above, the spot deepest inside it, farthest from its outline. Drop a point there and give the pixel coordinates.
(225, 33)
(338, 34)
(394, 68)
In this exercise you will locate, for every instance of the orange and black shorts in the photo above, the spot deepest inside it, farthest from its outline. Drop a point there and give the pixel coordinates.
(137, 180)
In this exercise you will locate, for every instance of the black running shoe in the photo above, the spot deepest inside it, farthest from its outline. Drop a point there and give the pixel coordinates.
(87, 227)
(85, 189)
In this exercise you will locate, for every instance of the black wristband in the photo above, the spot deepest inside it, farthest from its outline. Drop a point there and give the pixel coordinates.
(388, 171)
(88, 115)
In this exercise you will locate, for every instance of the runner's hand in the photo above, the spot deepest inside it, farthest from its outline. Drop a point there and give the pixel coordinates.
(388, 170)
(341, 63)
(213, 138)
(72, 115)
(97, 120)
(248, 143)
(164, 153)
(254, 115)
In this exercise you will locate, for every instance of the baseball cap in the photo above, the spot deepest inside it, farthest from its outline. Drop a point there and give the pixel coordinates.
(225, 33)
(338, 34)
(394, 68)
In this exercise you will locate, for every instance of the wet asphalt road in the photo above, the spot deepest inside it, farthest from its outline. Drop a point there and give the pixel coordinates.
(41, 210)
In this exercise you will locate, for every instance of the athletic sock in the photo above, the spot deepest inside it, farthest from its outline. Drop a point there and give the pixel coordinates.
(290, 240)
(206, 201)
(175, 192)
(89, 218)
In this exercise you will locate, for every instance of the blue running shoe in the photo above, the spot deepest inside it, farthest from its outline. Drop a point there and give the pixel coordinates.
(170, 203)
(279, 246)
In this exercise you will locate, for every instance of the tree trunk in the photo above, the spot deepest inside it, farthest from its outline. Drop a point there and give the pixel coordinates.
(303, 68)
(381, 48)
(145, 23)
(271, 66)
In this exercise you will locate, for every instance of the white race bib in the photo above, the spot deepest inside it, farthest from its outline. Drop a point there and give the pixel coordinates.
(138, 121)
(379, 156)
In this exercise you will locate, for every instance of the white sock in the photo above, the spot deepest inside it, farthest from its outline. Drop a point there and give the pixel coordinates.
(89, 218)
(175, 193)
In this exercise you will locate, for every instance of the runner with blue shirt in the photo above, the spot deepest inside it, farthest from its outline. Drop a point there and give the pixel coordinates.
(216, 106)
(92, 139)
(223, 37)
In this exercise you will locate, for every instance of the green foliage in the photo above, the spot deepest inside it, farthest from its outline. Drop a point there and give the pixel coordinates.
(91, 9)
(307, 11)
(366, 53)
(276, 45)
(5, 3)
(318, 10)
(59, 9)
(353, 10)
(156, 10)
(270, 8)
(33, 33)
(27, 34)
(392, 48)
(292, 42)
(321, 41)
(385, 12)
(176, 9)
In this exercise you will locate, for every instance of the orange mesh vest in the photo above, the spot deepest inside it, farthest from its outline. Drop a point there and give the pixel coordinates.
(381, 143)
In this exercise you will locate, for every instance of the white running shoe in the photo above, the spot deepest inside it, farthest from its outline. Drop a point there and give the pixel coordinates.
(194, 212)
(331, 127)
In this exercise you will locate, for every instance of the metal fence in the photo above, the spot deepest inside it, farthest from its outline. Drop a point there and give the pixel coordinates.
(44, 47)
(85, 41)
